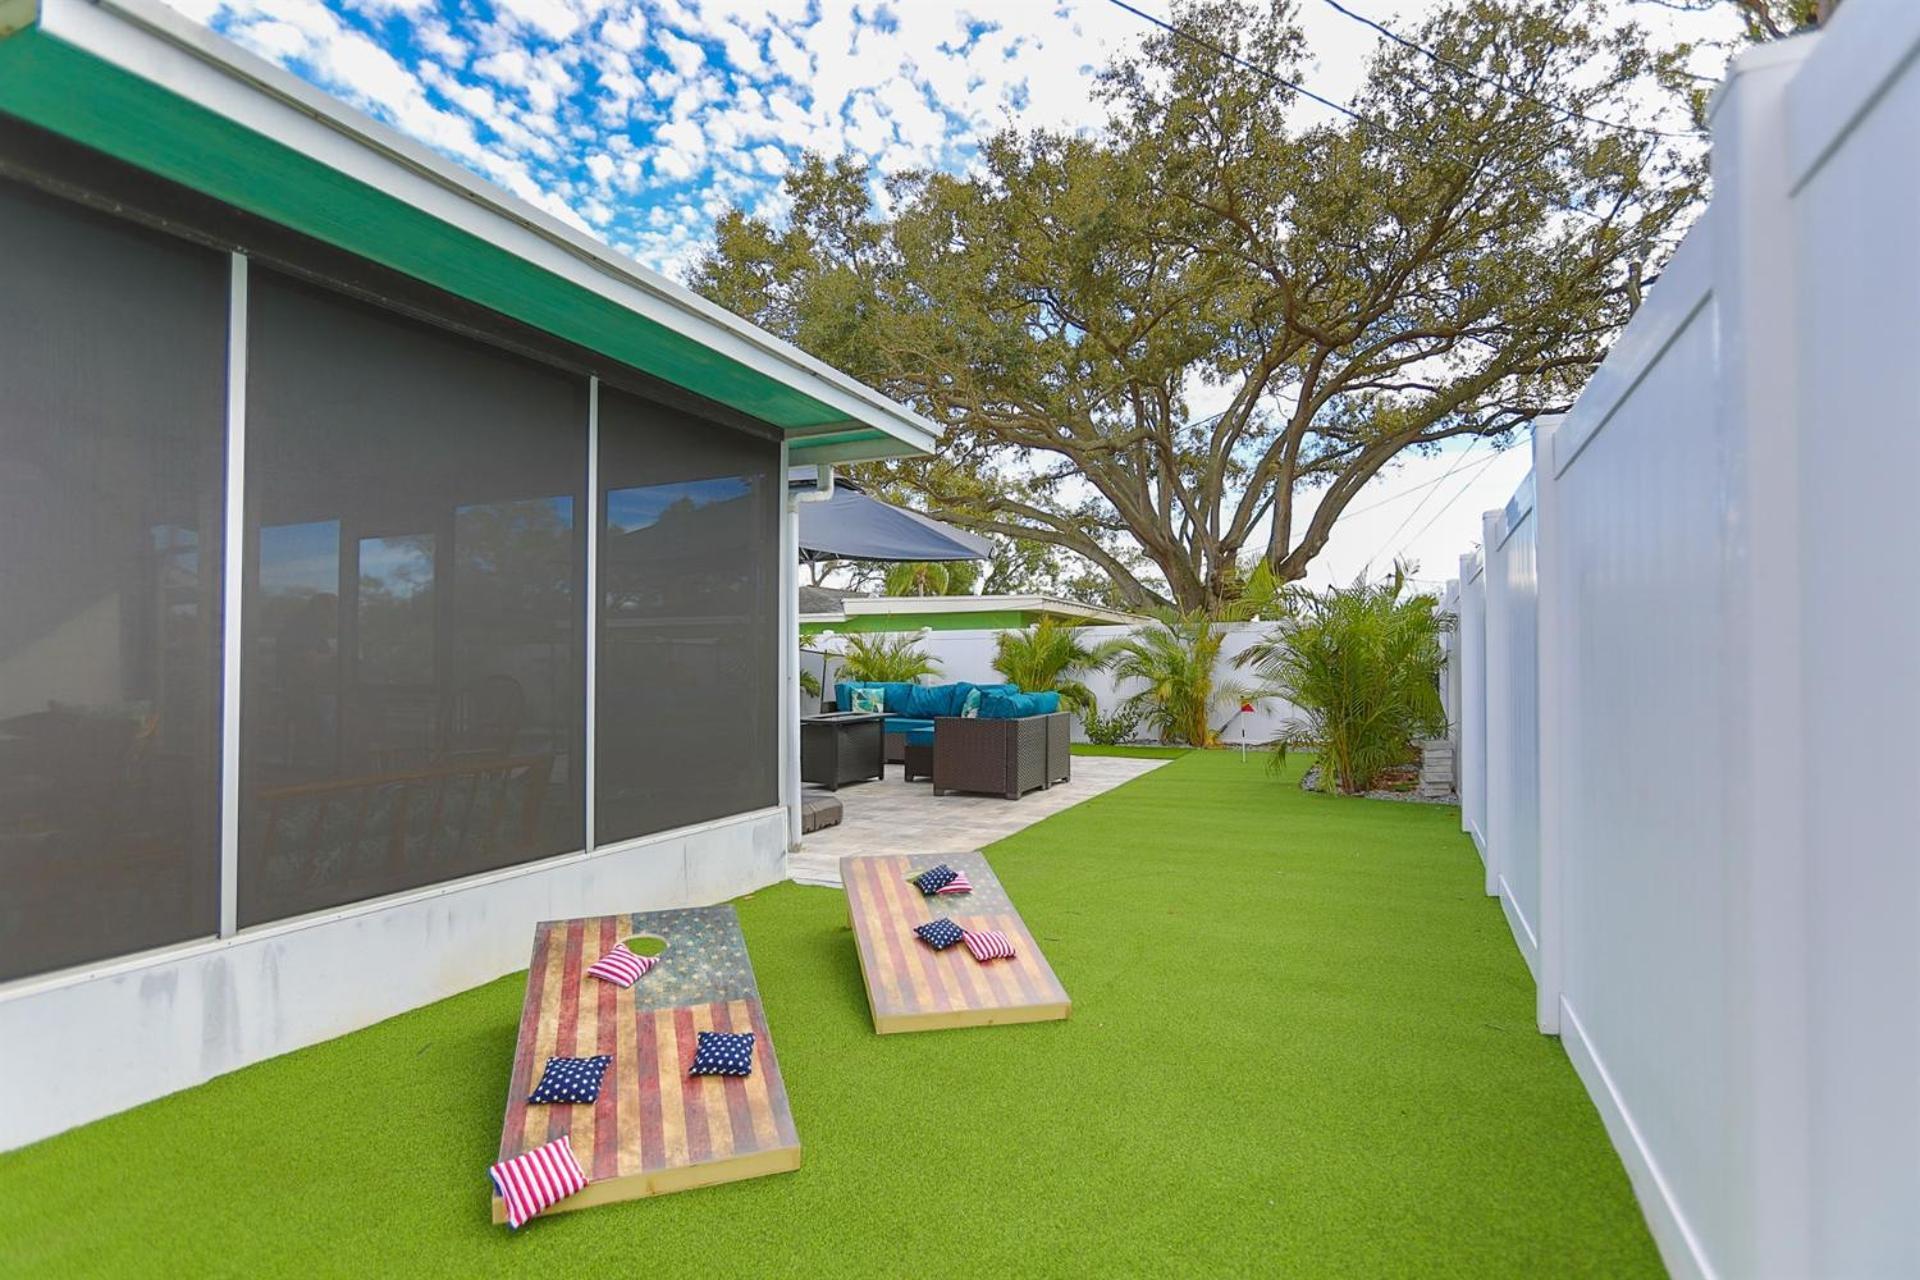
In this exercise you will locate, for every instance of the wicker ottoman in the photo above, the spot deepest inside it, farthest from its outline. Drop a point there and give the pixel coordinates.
(918, 754)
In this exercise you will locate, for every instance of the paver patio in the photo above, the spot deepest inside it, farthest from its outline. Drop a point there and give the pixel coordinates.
(896, 816)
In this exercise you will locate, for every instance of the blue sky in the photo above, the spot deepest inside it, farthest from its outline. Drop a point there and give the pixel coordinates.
(641, 121)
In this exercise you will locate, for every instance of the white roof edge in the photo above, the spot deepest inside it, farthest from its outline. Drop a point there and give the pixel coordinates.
(881, 605)
(153, 42)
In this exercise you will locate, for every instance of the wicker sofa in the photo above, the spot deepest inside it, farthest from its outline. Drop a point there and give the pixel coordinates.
(1004, 751)
(911, 707)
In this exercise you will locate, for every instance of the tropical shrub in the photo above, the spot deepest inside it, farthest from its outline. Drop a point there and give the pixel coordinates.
(1111, 730)
(1362, 663)
(1174, 658)
(886, 656)
(1051, 655)
(932, 578)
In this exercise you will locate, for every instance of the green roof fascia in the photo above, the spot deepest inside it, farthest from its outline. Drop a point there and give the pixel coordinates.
(92, 102)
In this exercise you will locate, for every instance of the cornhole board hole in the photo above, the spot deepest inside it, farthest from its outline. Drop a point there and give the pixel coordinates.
(654, 1129)
(912, 987)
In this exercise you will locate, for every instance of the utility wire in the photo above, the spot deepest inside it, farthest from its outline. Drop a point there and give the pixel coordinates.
(1442, 511)
(1492, 83)
(1410, 490)
(1237, 60)
(1408, 518)
(1301, 89)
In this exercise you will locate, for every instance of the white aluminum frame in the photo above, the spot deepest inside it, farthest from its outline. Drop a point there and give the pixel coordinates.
(232, 584)
(590, 762)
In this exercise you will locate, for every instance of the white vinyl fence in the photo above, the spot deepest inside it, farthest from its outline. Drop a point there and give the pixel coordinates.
(968, 655)
(1689, 689)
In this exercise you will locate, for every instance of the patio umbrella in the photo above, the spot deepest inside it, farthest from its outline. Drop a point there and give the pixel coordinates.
(853, 525)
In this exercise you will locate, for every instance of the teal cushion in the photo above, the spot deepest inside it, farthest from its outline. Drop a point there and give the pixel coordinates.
(1001, 706)
(1018, 706)
(920, 701)
(904, 724)
(920, 738)
(889, 690)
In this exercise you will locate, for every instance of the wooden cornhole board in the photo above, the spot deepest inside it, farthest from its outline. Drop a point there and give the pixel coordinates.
(912, 987)
(654, 1129)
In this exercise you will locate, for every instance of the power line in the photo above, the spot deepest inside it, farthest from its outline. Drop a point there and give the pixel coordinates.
(1408, 519)
(1301, 89)
(1237, 60)
(1442, 511)
(1492, 83)
(1410, 490)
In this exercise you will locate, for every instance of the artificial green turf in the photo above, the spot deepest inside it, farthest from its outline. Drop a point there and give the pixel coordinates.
(1302, 1044)
(1138, 753)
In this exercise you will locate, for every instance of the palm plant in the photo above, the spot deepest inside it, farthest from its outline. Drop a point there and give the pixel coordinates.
(1362, 663)
(886, 657)
(1051, 655)
(1175, 658)
(932, 578)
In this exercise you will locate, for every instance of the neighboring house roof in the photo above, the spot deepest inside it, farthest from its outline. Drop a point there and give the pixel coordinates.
(959, 606)
(822, 599)
(139, 82)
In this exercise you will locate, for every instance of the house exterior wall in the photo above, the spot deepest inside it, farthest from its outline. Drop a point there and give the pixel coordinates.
(317, 668)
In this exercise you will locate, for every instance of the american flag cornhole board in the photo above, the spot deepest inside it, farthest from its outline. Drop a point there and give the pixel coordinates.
(655, 1129)
(912, 987)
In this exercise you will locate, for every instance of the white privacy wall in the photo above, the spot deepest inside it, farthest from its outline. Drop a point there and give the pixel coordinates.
(1711, 613)
(1512, 746)
(968, 655)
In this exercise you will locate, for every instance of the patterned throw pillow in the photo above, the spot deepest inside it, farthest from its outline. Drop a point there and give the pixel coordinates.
(939, 934)
(570, 1079)
(970, 708)
(988, 944)
(869, 701)
(534, 1180)
(622, 967)
(723, 1053)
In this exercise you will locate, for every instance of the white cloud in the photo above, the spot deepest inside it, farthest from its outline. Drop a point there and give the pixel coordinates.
(643, 117)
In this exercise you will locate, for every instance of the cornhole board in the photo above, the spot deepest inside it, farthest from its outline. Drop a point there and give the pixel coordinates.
(912, 987)
(654, 1129)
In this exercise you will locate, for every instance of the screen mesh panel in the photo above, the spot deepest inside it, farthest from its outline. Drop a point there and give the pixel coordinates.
(414, 684)
(112, 436)
(689, 577)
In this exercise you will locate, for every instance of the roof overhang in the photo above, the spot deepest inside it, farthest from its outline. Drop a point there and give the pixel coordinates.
(883, 606)
(137, 81)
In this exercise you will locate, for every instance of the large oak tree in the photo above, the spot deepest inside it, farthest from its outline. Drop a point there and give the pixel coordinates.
(1448, 261)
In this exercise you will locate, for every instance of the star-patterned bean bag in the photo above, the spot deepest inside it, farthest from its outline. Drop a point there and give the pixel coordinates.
(939, 934)
(723, 1053)
(569, 1080)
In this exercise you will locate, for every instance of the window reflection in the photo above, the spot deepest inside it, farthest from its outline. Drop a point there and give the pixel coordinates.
(419, 585)
(686, 708)
(111, 491)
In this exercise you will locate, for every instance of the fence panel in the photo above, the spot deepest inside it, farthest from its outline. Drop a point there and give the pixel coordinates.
(1726, 915)
(1513, 717)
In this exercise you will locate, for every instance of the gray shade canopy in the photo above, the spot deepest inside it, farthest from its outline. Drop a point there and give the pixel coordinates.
(853, 525)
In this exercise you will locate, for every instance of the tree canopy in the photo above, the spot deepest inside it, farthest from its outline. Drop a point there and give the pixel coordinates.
(1449, 260)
